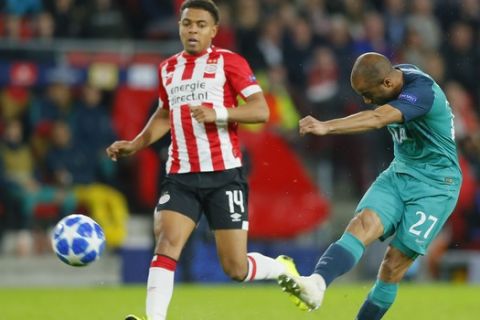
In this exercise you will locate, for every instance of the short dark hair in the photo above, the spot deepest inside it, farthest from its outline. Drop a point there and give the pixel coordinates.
(206, 5)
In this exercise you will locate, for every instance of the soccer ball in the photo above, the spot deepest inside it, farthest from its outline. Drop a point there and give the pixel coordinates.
(78, 240)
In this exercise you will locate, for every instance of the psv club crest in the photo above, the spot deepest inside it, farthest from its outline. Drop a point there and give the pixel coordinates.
(211, 66)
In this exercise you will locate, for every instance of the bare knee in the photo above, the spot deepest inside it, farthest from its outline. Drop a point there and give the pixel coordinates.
(169, 242)
(235, 269)
(366, 226)
(168, 245)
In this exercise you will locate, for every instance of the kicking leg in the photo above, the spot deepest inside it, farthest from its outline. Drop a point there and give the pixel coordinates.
(339, 258)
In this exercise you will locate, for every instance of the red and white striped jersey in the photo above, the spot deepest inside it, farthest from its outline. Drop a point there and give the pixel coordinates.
(213, 78)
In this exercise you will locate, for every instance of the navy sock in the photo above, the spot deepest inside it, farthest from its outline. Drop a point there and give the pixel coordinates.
(339, 257)
(379, 300)
(370, 311)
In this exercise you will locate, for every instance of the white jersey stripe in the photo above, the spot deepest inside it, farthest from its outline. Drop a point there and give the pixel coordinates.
(225, 144)
(227, 149)
(177, 120)
(203, 145)
(177, 74)
(182, 144)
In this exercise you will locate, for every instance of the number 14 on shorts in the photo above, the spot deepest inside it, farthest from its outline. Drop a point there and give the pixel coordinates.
(235, 199)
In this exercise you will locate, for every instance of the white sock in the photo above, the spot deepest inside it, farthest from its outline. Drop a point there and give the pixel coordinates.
(159, 290)
(261, 267)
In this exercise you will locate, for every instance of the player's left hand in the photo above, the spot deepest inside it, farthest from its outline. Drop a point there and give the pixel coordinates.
(311, 125)
(203, 114)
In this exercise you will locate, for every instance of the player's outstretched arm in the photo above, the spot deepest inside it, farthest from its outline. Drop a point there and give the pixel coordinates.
(157, 126)
(355, 123)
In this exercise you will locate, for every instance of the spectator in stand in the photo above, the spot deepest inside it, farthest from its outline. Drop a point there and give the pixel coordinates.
(467, 126)
(461, 53)
(341, 42)
(435, 66)
(394, 19)
(328, 154)
(247, 24)
(317, 16)
(287, 13)
(413, 49)
(226, 37)
(19, 17)
(450, 12)
(67, 16)
(283, 111)
(270, 41)
(93, 130)
(423, 19)
(160, 19)
(73, 166)
(20, 8)
(355, 11)
(24, 189)
(58, 102)
(105, 20)
(322, 92)
(466, 119)
(297, 52)
(45, 26)
(462, 230)
(374, 37)
(470, 12)
(14, 103)
(323, 78)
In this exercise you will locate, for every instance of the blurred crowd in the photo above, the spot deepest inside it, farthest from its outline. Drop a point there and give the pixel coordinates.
(302, 52)
(53, 163)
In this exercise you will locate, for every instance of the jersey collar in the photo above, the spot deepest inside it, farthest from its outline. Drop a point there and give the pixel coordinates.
(188, 55)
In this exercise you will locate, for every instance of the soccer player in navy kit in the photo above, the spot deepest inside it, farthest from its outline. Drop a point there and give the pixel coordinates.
(198, 106)
(410, 200)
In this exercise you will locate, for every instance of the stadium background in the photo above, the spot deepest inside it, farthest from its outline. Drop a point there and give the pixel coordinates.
(89, 67)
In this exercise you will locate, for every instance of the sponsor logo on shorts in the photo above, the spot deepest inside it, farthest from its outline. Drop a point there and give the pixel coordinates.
(164, 198)
(235, 217)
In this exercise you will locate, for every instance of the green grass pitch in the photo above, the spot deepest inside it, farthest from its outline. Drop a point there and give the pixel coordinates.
(234, 302)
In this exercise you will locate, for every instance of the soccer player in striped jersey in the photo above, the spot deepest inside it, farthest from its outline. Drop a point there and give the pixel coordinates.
(410, 200)
(198, 91)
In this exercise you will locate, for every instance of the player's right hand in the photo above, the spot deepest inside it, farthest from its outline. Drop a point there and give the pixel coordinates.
(121, 148)
(311, 125)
